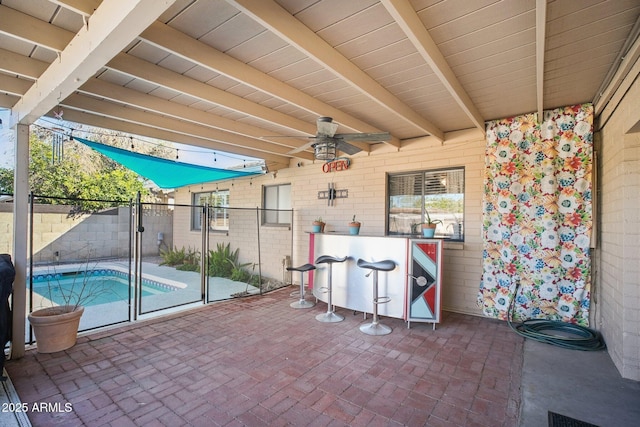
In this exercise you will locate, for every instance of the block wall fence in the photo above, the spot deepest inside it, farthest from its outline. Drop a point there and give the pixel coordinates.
(60, 236)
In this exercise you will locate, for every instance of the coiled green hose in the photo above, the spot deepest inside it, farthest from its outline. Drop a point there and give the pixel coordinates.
(574, 337)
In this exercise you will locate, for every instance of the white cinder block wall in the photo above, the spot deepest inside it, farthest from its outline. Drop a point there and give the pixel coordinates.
(618, 255)
(365, 181)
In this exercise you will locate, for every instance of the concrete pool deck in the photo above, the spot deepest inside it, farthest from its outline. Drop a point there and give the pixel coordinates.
(187, 284)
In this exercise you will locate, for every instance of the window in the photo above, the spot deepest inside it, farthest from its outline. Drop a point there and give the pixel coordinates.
(277, 198)
(218, 213)
(436, 193)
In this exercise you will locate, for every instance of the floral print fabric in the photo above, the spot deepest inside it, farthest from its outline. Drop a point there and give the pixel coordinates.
(537, 216)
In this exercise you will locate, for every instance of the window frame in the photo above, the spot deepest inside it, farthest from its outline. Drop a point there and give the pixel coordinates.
(197, 210)
(278, 210)
(443, 231)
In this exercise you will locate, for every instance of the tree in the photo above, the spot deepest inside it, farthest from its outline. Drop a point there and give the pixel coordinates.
(80, 174)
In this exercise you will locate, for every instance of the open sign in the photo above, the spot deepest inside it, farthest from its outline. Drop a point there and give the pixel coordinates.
(336, 165)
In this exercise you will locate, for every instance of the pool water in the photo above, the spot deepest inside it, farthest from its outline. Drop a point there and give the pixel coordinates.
(103, 286)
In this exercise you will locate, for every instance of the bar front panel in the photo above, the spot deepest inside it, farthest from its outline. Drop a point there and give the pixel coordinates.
(351, 288)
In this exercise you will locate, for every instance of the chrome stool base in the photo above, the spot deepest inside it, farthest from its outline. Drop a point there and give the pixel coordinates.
(375, 329)
(329, 317)
(302, 304)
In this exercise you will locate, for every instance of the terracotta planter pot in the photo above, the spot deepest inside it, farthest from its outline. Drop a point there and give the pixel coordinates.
(354, 228)
(318, 227)
(55, 328)
(429, 230)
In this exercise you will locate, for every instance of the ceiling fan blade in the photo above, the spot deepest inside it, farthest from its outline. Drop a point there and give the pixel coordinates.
(347, 148)
(303, 147)
(365, 137)
(326, 126)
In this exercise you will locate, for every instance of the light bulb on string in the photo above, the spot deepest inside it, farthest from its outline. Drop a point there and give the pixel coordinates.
(177, 154)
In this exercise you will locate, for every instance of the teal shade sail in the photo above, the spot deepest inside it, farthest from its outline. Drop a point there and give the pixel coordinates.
(163, 172)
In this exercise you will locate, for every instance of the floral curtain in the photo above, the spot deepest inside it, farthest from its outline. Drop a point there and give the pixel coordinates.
(537, 216)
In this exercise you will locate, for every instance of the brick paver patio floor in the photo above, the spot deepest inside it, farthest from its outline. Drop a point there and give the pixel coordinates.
(257, 362)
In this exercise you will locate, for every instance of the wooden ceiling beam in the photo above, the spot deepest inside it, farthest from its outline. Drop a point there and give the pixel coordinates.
(180, 44)
(23, 66)
(406, 17)
(277, 20)
(134, 115)
(113, 26)
(81, 7)
(33, 30)
(8, 101)
(14, 85)
(144, 70)
(145, 102)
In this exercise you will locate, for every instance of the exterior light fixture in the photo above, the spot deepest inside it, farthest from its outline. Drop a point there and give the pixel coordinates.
(325, 150)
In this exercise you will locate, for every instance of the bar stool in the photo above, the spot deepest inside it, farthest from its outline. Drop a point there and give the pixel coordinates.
(330, 316)
(302, 303)
(375, 327)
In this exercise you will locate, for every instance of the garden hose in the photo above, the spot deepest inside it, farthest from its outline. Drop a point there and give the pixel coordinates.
(574, 337)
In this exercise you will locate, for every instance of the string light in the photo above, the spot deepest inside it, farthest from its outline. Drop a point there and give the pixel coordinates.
(56, 123)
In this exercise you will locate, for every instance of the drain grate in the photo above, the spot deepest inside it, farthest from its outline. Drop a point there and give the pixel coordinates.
(557, 420)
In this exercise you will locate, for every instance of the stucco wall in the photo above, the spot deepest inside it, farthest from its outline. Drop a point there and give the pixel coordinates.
(618, 255)
(59, 236)
(365, 181)
(264, 246)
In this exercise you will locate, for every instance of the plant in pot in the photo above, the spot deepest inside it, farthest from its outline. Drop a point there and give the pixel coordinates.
(318, 225)
(354, 226)
(429, 227)
(56, 327)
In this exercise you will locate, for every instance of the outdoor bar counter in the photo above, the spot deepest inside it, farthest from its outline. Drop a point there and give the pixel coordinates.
(411, 298)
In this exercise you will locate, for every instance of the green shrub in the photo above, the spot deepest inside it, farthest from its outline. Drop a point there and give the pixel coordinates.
(182, 259)
(222, 260)
(172, 256)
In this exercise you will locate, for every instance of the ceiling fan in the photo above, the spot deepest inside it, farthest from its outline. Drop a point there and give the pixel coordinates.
(327, 142)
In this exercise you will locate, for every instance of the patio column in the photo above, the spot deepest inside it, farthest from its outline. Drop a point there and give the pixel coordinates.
(20, 238)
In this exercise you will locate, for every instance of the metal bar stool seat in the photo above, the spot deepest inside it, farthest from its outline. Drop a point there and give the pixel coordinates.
(302, 303)
(330, 316)
(375, 327)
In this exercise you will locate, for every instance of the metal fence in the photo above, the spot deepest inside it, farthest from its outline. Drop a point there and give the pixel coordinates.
(130, 260)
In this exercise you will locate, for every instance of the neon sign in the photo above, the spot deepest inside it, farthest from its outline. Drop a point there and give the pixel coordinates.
(337, 165)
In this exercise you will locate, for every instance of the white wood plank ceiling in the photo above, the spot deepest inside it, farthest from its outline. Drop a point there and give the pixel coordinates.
(235, 75)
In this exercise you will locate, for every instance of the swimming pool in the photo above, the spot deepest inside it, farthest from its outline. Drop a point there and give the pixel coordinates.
(106, 286)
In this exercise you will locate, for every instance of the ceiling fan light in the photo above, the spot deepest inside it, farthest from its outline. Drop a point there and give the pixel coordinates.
(325, 151)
